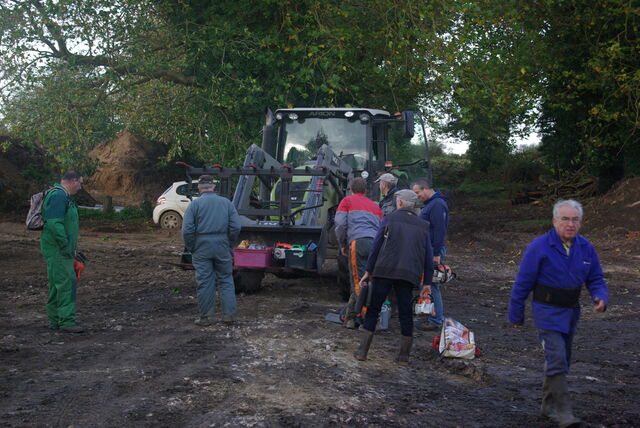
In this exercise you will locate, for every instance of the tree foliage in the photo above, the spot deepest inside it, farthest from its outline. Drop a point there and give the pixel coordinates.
(195, 75)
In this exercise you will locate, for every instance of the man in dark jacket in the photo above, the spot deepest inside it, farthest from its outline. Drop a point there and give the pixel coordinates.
(554, 267)
(388, 187)
(436, 212)
(400, 252)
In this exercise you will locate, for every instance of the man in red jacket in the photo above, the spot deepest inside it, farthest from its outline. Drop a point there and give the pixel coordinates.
(357, 220)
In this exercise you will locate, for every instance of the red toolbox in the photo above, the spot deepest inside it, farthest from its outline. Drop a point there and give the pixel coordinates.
(244, 257)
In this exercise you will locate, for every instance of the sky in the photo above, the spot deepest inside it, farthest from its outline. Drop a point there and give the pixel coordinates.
(459, 147)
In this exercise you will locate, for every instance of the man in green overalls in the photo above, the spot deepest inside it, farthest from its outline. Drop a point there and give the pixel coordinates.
(58, 245)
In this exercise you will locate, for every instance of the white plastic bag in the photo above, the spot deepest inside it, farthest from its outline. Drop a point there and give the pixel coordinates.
(456, 340)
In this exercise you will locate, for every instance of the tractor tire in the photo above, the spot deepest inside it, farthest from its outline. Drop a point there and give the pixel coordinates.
(170, 220)
(247, 282)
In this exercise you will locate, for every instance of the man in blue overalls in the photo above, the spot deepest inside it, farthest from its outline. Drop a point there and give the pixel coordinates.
(210, 227)
(554, 267)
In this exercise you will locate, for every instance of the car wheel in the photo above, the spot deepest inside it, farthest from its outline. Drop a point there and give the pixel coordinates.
(170, 220)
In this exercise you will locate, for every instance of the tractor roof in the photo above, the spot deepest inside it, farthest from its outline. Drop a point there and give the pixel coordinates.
(372, 112)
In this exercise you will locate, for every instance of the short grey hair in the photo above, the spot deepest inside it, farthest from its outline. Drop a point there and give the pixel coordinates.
(205, 186)
(567, 203)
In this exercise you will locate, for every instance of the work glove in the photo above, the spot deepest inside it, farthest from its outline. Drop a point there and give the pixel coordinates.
(78, 264)
(78, 267)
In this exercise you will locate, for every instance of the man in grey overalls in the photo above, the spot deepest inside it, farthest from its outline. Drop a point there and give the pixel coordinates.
(211, 226)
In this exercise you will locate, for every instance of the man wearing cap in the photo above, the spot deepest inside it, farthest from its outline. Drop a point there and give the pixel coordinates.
(400, 253)
(436, 212)
(357, 221)
(388, 187)
(210, 227)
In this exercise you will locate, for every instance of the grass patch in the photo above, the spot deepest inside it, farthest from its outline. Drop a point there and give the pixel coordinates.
(482, 187)
(129, 214)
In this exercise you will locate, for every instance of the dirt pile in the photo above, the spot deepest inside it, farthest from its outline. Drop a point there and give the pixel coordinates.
(126, 170)
(618, 211)
(15, 189)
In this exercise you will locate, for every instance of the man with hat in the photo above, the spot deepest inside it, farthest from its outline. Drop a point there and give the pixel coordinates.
(210, 227)
(400, 253)
(388, 187)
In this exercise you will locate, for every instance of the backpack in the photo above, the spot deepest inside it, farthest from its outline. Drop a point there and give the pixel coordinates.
(34, 216)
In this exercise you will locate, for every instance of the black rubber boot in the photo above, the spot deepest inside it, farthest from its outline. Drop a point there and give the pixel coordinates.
(548, 407)
(365, 343)
(563, 414)
(405, 349)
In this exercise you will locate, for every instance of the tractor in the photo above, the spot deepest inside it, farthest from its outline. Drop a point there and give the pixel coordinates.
(288, 189)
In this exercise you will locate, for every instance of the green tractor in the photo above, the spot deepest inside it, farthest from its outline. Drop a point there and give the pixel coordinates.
(288, 189)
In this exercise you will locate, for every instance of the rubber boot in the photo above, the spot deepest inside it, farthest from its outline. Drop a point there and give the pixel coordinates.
(561, 401)
(405, 348)
(548, 407)
(365, 343)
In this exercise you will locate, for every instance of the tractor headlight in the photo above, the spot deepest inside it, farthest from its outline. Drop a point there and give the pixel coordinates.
(364, 117)
(293, 116)
(279, 116)
(348, 114)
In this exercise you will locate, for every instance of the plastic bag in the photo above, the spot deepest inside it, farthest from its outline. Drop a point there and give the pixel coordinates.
(456, 340)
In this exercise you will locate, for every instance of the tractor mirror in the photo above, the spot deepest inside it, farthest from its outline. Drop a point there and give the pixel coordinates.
(269, 133)
(407, 117)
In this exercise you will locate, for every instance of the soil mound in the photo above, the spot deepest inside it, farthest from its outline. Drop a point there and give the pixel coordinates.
(126, 170)
(617, 211)
(15, 189)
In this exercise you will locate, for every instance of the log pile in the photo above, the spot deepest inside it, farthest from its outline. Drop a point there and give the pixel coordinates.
(579, 185)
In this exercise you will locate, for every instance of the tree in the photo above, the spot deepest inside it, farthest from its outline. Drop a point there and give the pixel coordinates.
(196, 75)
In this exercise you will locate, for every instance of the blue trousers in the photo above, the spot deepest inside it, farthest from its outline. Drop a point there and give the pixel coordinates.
(437, 302)
(380, 291)
(557, 351)
(214, 267)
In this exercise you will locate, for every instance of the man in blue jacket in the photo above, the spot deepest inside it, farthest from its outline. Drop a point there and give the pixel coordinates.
(400, 253)
(436, 212)
(554, 267)
(210, 227)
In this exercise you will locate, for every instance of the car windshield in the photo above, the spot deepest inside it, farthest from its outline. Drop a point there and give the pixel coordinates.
(303, 138)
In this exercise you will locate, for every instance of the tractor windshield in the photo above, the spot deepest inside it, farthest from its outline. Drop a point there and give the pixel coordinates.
(304, 137)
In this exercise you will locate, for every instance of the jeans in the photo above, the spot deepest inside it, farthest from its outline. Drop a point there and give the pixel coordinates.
(436, 293)
(557, 351)
(404, 293)
(437, 303)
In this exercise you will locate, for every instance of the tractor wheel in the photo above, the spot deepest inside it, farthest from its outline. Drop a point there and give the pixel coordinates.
(247, 281)
(170, 220)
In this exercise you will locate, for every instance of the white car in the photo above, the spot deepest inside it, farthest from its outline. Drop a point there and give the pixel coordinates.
(173, 203)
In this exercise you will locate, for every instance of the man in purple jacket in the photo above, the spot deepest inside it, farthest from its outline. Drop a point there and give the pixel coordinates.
(554, 267)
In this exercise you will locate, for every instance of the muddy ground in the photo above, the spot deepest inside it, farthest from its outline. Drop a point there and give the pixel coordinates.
(144, 363)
